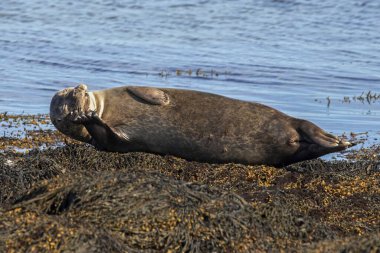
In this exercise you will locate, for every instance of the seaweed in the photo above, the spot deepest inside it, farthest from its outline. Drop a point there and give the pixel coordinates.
(75, 198)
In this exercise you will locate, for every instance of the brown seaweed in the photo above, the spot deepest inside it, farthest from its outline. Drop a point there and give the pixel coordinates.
(75, 198)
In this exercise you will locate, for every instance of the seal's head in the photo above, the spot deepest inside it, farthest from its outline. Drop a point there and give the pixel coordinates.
(66, 101)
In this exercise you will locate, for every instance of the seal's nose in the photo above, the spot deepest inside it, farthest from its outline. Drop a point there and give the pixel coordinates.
(56, 120)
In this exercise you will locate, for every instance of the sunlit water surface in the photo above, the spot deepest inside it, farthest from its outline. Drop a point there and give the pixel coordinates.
(302, 57)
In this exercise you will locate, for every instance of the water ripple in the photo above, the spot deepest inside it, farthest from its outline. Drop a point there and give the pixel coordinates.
(284, 53)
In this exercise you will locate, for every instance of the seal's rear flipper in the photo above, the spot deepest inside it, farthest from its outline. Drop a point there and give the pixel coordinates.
(314, 142)
(320, 140)
(150, 95)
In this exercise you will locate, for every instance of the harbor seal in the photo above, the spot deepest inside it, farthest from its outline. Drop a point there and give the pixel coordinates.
(189, 124)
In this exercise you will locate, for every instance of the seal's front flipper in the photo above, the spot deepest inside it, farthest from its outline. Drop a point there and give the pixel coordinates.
(103, 137)
(81, 117)
(150, 95)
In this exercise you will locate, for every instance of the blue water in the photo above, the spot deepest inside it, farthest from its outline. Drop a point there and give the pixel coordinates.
(289, 54)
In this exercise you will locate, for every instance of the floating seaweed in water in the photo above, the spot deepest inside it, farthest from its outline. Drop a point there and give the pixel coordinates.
(366, 97)
(189, 72)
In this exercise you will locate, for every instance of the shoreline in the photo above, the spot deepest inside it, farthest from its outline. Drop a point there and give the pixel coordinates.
(73, 197)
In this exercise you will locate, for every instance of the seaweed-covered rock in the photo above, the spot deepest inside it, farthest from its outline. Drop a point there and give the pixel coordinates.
(75, 198)
(135, 211)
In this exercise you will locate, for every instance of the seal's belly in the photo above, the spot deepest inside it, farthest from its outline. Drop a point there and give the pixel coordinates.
(206, 138)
